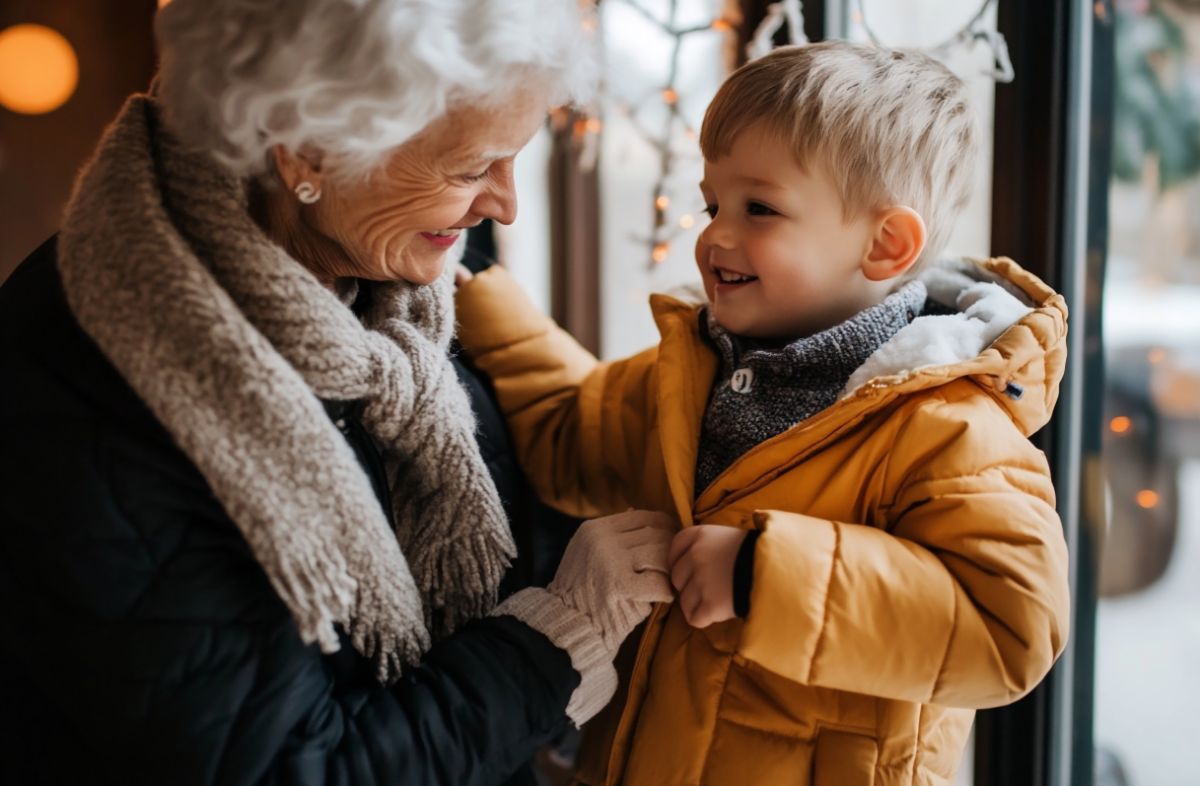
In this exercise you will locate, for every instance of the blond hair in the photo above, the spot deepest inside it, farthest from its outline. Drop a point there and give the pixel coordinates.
(891, 127)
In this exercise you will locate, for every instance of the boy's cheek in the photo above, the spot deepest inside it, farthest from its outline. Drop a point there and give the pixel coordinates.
(706, 275)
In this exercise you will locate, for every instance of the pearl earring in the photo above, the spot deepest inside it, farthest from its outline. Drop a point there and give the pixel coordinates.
(306, 193)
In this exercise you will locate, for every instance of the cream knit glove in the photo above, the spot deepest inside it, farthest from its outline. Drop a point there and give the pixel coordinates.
(613, 570)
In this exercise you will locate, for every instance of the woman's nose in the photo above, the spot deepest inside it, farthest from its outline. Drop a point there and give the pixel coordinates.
(499, 201)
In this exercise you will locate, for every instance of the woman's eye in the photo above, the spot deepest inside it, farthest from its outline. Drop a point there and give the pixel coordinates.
(711, 210)
(475, 178)
(758, 209)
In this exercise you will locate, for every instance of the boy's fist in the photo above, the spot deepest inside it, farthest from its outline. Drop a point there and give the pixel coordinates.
(701, 560)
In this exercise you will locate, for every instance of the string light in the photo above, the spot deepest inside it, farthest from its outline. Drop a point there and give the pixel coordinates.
(664, 228)
(38, 69)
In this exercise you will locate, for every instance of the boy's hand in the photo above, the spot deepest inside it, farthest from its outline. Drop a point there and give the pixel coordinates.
(462, 274)
(701, 560)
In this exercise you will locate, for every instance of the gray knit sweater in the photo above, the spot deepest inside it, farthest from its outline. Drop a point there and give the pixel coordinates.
(762, 389)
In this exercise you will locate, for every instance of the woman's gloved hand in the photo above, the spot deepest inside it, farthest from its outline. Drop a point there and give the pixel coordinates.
(613, 570)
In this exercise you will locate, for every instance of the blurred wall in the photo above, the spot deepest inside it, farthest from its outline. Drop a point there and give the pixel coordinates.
(40, 154)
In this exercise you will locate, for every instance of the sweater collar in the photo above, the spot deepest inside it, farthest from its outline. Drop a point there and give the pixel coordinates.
(833, 353)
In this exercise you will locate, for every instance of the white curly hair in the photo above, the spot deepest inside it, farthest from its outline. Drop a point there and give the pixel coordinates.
(354, 78)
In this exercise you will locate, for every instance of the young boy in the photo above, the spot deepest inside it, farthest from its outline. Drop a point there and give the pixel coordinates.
(869, 547)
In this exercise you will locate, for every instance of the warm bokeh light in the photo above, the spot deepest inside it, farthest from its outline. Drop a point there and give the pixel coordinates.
(1147, 498)
(660, 252)
(687, 221)
(38, 69)
(670, 96)
(162, 3)
(662, 202)
(724, 25)
(1120, 424)
(1157, 355)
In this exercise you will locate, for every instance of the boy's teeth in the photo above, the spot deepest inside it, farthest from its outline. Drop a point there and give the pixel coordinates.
(728, 277)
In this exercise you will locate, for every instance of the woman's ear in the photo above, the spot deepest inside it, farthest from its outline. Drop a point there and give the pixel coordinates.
(896, 245)
(295, 167)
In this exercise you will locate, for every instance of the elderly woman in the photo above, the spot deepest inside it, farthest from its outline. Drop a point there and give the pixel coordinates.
(249, 537)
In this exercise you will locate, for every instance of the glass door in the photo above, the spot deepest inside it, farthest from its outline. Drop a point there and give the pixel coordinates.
(1148, 617)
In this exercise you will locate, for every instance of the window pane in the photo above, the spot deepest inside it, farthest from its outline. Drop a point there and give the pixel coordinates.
(638, 56)
(1148, 626)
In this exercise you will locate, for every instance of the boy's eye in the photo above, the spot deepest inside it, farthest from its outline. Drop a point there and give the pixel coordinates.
(758, 209)
(711, 210)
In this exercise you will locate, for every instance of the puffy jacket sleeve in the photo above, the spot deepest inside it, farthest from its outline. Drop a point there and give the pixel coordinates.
(962, 600)
(578, 425)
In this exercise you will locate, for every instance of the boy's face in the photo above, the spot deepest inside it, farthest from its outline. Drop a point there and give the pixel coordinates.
(779, 259)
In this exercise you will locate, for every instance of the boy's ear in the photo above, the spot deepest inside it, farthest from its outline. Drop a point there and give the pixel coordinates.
(896, 245)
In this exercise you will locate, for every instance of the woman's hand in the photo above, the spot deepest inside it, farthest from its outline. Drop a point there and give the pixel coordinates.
(702, 559)
(614, 569)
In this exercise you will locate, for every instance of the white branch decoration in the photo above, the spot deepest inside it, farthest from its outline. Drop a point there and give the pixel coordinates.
(971, 33)
(791, 11)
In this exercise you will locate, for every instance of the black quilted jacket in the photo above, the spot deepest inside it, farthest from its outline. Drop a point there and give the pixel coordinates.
(140, 642)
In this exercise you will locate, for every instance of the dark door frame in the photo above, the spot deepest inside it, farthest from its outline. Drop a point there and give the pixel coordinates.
(1050, 212)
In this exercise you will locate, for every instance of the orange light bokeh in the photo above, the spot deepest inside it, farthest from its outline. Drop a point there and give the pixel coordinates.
(1147, 498)
(38, 69)
(1120, 424)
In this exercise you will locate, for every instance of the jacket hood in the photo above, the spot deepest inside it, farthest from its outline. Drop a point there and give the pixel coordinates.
(1004, 328)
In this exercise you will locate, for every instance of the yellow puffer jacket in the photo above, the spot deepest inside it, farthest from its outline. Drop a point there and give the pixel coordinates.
(911, 566)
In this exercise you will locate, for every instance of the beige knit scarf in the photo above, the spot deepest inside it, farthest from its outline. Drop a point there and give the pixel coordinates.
(232, 344)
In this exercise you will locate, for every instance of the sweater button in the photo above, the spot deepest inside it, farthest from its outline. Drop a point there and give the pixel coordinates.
(340, 423)
(742, 380)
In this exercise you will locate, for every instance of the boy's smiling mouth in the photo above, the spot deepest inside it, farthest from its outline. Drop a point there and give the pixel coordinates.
(732, 277)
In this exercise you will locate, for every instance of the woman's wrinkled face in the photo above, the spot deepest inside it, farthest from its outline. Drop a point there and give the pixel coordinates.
(398, 223)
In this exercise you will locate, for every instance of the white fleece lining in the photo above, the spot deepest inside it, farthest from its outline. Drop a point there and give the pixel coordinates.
(986, 310)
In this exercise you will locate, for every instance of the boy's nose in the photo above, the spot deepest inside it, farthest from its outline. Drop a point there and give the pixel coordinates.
(717, 234)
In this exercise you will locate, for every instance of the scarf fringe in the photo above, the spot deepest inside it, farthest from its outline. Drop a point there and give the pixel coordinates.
(463, 578)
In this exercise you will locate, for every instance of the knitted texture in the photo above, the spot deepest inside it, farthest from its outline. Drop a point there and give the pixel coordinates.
(612, 572)
(574, 632)
(232, 344)
(763, 390)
